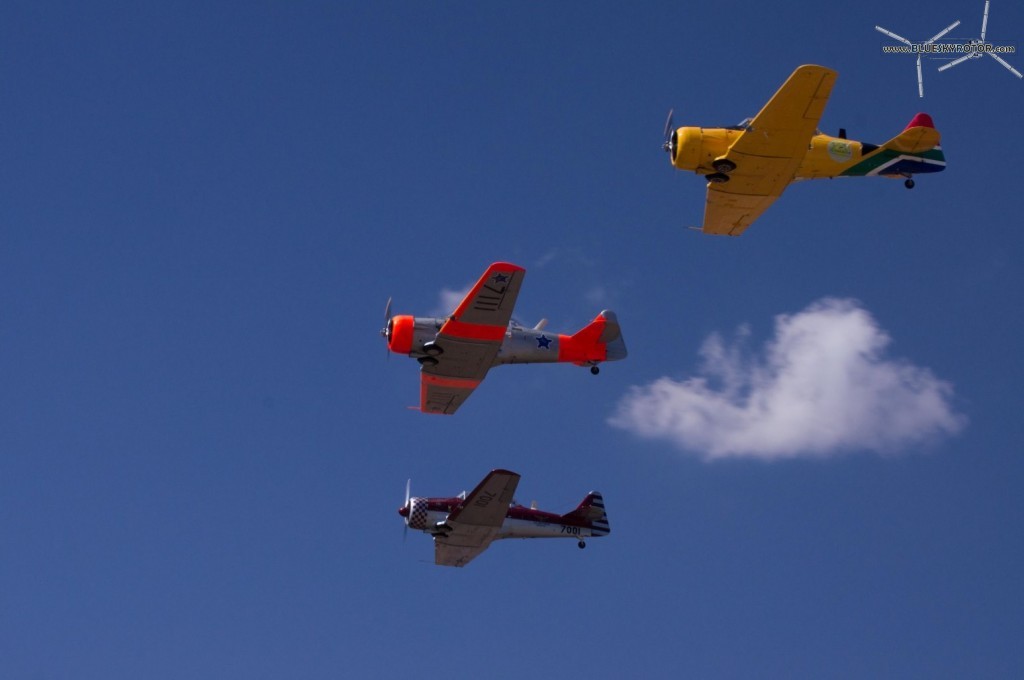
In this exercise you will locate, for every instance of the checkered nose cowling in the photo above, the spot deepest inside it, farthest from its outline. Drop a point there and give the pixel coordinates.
(418, 513)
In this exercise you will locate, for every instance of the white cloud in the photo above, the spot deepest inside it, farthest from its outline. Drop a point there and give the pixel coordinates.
(822, 387)
(597, 295)
(449, 299)
(547, 258)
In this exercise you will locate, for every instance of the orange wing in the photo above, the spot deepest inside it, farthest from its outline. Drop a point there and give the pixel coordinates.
(470, 339)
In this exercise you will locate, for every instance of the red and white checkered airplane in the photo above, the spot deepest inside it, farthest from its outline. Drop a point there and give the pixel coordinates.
(466, 525)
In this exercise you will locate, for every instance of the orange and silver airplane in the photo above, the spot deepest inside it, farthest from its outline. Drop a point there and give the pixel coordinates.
(456, 352)
(465, 525)
(749, 165)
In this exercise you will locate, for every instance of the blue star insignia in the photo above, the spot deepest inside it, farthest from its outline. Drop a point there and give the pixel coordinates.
(543, 342)
(500, 278)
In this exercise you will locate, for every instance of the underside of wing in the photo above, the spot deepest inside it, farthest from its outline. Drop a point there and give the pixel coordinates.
(468, 342)
(458, 549)
(767, 155)
(729, 213)
(442, 395)
(476, 521)
(783, 128)
(490, 302)
(487, 504)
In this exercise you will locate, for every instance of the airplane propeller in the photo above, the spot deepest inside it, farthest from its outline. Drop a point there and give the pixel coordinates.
(386, 331)
(405, 530)
(670, 139)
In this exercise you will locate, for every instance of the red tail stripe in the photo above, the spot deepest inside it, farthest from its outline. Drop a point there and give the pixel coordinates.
(584, 346)
(920, 120)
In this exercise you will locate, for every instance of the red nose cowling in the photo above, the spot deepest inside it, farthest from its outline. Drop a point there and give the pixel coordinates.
(400, 337)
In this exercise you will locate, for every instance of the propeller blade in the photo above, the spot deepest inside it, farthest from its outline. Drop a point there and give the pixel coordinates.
(920, 80)
(984, 22)
(955, 62)
(386, 331)
(1001, 61)
(667, 146)
(405, 527)
(894, 36)
(943, 32)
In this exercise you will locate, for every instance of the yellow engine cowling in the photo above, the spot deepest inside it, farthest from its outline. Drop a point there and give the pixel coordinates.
(694, 148)
(688, 148)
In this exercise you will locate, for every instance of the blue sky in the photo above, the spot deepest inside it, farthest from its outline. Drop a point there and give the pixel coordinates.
(203, 448)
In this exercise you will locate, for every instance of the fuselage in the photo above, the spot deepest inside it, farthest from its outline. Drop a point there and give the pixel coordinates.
(695, 149)
(429, 515)
(413, 335)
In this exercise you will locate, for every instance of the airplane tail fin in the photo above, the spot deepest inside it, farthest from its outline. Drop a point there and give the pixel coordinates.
(919, 136)
(600, 340)
(591, 510)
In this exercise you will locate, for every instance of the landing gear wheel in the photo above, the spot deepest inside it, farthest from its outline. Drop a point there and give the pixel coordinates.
(581, 545)
(595, 370)
(717, 178)
(427, 361)
(909, 184)
(433, 349)
(723, 165)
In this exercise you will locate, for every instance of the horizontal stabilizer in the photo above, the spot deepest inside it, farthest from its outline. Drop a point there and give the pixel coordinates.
(919, 136)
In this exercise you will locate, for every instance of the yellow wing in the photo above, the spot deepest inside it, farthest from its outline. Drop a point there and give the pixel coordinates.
(768, 154)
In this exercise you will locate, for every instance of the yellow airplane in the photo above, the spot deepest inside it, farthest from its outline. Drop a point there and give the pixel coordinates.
(749, 165)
